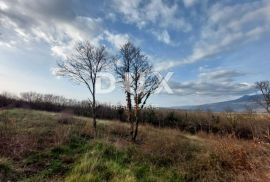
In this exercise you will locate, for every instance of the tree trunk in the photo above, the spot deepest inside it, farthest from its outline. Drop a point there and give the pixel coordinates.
(137, 112)
(94, 115)
(136, 129)
(129, 113)
(94, 111)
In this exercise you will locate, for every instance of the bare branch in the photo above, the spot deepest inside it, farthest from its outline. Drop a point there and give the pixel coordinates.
(264, 88)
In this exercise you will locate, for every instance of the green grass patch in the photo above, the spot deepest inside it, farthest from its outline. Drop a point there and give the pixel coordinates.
(7, 170)
(103, 162)
(56, 161)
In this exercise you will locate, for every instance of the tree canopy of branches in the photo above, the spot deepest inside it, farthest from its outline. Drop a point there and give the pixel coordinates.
(83, 66)
(136, 74)
(264, 88)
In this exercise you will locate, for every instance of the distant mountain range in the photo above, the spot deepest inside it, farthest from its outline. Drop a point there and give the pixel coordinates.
(238, 105)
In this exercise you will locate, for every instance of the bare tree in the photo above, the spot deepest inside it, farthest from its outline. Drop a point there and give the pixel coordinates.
(128, 53)
(83, 66)
(143, 83)
(136, 74)
(264, 88)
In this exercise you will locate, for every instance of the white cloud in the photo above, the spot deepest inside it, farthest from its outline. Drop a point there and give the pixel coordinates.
(116, 39)
(228, 26)
(3, 6)
(37, 21)
(61, 51)
(163, 36)
(214, 83)
(111, 16)
(51, 22)
(153, 12)
(189, 3)
(130, 9)
(219, 74)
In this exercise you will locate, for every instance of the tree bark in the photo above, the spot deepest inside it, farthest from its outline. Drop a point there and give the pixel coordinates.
(94, 114)
(94, 110)
(129, 113)
(136, 114)
(136, 129)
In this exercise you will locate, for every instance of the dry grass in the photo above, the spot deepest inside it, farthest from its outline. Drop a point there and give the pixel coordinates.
(202, 157)
(167, 152)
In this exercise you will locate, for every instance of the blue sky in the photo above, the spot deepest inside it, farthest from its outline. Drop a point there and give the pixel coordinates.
(216, 49)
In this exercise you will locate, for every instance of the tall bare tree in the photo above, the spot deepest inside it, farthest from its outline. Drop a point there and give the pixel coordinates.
(128, 53)
(83, 66)
(143, 83)
(264, 88)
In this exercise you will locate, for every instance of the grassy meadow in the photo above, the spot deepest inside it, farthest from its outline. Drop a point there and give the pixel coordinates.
(47, 146)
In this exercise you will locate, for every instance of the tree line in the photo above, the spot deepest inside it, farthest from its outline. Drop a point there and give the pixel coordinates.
(247, 125)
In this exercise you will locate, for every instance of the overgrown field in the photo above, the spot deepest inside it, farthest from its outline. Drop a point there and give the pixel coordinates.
(246, 125)
(43, 146)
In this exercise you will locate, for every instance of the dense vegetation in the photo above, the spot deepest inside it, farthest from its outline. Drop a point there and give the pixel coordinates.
(44, 146)
(247, 125)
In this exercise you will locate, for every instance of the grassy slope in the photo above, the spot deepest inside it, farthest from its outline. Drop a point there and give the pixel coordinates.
(42, 146)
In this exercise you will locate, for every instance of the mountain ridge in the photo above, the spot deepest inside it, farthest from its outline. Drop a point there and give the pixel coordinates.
(238, 105)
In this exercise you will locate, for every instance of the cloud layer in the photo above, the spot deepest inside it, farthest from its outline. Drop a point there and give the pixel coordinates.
(226, 27)
(214, 83)
(52, 22)
(153, 12)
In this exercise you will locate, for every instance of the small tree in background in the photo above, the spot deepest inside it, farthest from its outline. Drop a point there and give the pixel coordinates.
(264, 88)
(83, 66)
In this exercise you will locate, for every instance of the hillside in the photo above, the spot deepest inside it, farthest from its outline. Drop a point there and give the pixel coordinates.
(237, 105)
(43, 146)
